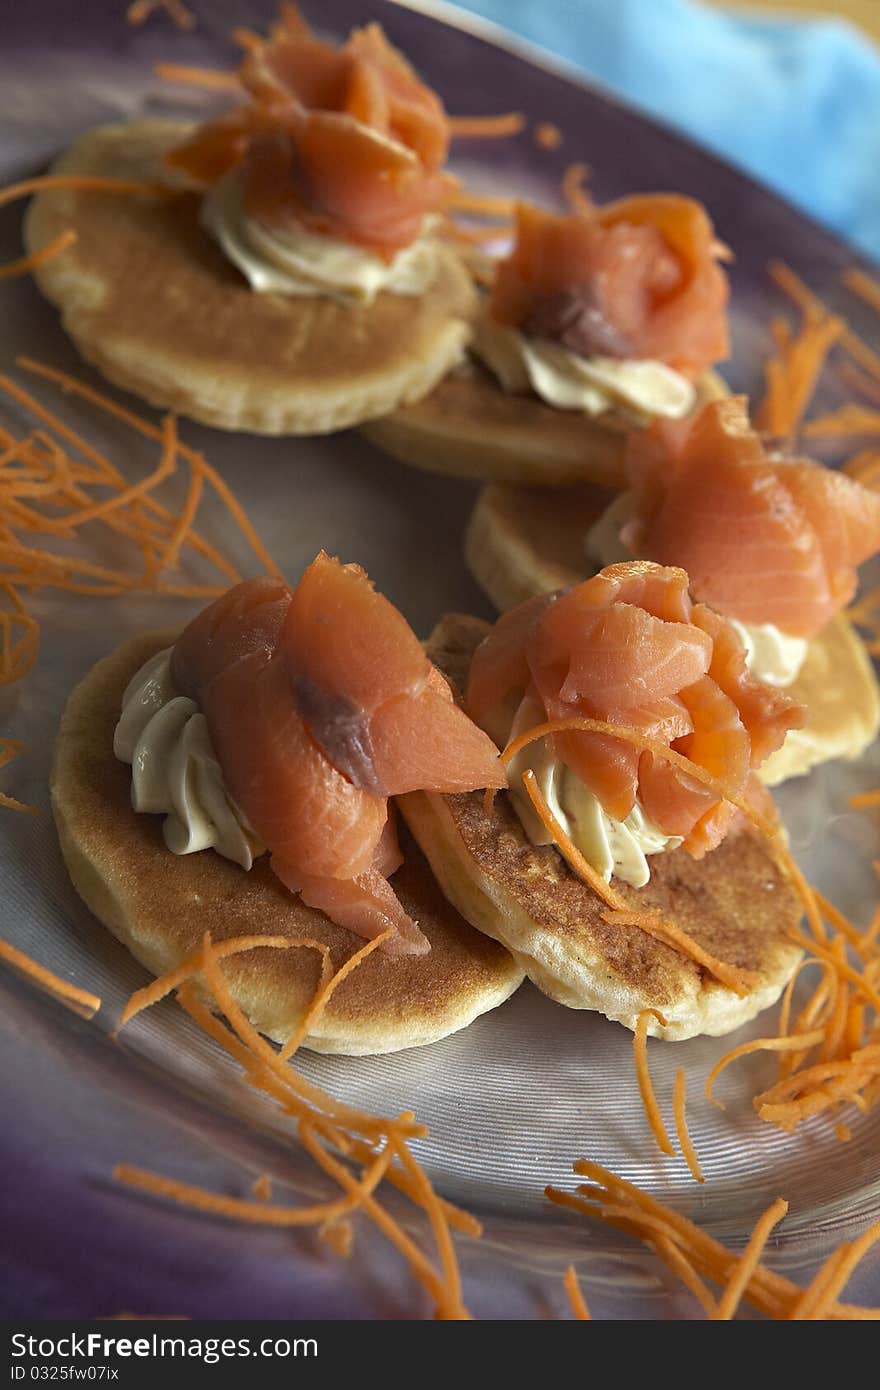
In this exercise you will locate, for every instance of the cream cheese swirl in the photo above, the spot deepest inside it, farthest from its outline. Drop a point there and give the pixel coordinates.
(638, 388)
(612, 847)
(174, 769)
(304, 263)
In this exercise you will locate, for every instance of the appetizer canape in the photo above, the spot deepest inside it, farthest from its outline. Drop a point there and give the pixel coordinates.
(772, 543)
(290, 281)
(595, 322)
(270, 734)
(617, 868)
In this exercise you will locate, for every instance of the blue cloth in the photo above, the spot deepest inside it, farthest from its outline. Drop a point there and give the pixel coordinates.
(795, 101)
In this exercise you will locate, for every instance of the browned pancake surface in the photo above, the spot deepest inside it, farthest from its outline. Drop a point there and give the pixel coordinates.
(160, 904)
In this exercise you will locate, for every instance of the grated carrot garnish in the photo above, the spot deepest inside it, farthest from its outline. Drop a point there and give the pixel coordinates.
(643, 1076)
(139, 11)
(482, 204)
(648, 744)
(339, 1235)
(10, 747)
(214, 81)
(261, 1187)
(687, 1250)
(789, 1043)
(619, 913)
(474, 236)
(849, 419)
(165, 984)
(574, 191)
(863, 285)
(751, 1258)
(486, 127)
(326, 990)
(575, 1297)
(798, 292)
(792, 374)
(864, 800)
(685, 1143)
(82, 183)
(333, 1134)
(547, 136)
(25, 264)
(255, 1213)
(81, 1001)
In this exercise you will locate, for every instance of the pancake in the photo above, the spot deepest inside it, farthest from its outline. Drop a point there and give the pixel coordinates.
(521, 542)
(149, 298)
(159, 904)
(734, 902)
(469, 427)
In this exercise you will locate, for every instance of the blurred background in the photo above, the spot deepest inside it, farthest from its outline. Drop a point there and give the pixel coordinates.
(789, 91)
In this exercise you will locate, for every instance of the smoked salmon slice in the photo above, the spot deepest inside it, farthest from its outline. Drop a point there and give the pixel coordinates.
(321, 704)
(629, 647)
(764, 540)
(343, 141)
(638, 278)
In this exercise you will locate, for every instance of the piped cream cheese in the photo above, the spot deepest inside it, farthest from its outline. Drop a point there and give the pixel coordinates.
(612, 847)
(640, 388)
(174, 769)
(772, 656)
(306, 264)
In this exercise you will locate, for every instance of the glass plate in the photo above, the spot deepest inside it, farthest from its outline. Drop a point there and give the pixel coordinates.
(513, 1100)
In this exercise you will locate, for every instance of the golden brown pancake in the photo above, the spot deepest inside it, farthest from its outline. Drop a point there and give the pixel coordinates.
(159, 904)
(735, 902)
(149, 298)
(470, 428)
(521, 542)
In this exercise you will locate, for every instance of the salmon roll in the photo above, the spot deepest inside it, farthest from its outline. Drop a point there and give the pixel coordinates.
(286, 276)
(770, 542)
(595, 323)
(634, 862)
(236, 778)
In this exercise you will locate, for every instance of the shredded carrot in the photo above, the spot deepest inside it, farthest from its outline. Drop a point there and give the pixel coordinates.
(643, 1075)
(215, 81)
(487, 127)
(792, 1043)
(648, 744)
(81, 183)
(864, 286)
(326, 991)
(619, 912)
(339, 1235)
(261, 1187)
(685, 1143)
(482, 204)
(547, 136)
(9, 749)
(25, 264)
(81, 1001)
(751, 1258)
(797, 291)
(691, 1254)
(574, 190)
(159, 988)
(849, 419)
(792, 374)
(575, 1297)
(139, 11)
(256, 1213)
(324, 1127)
(863, 800)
